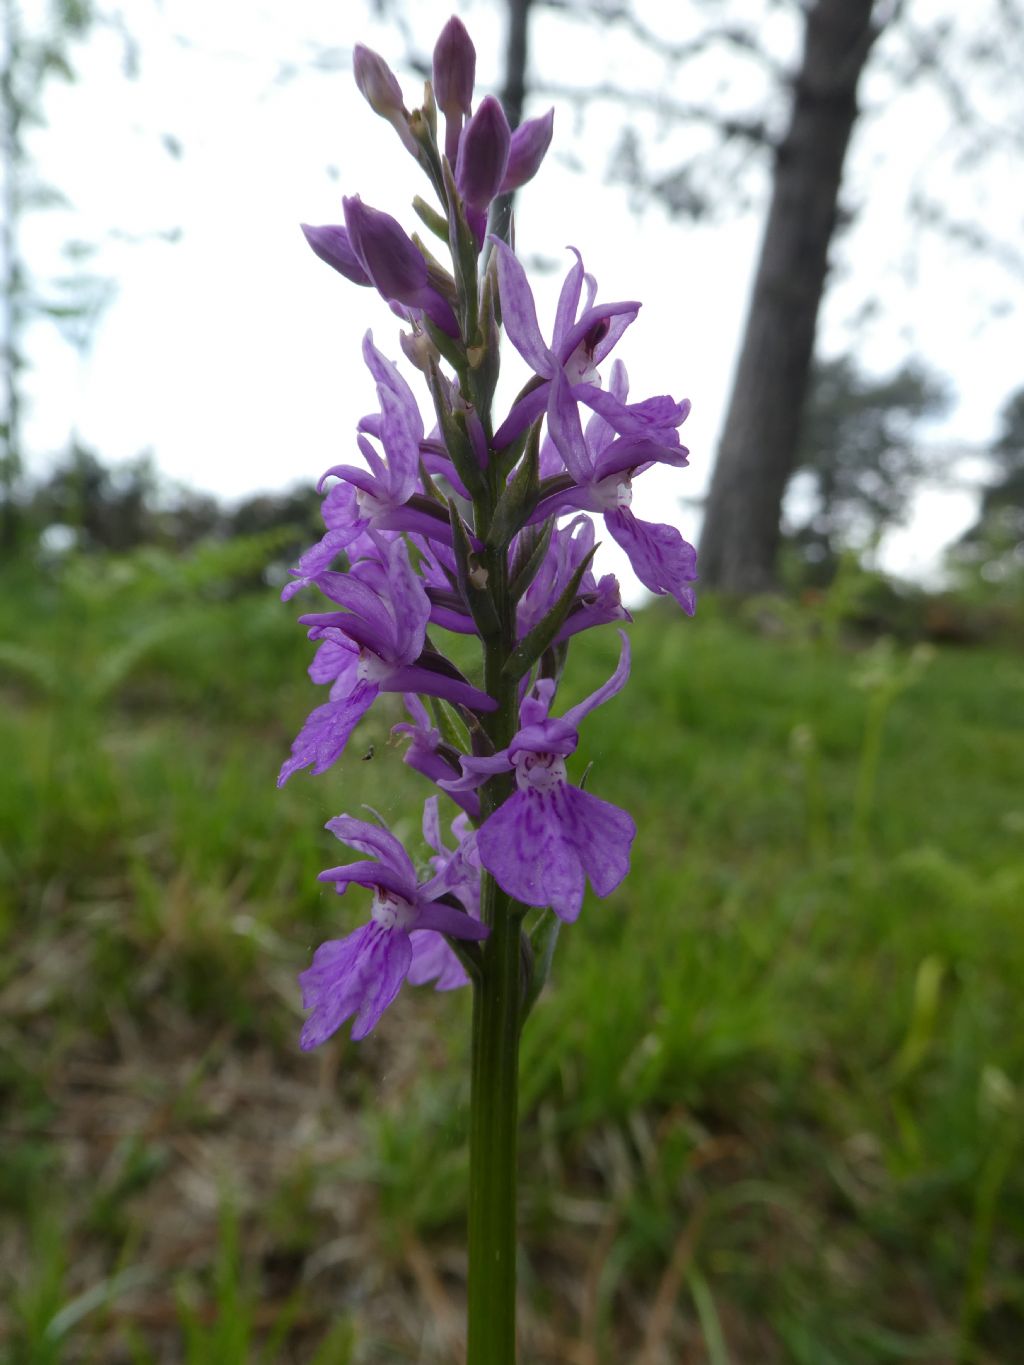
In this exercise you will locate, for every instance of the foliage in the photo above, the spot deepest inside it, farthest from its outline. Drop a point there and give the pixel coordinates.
(36, 47)
(772, 1104)
(858, 459)
(989, 558)
(91, 506)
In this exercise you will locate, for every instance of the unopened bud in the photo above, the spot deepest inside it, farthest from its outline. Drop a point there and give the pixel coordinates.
(379, 87)
(530, 143)
(393, 263)
(391, 260)
(333, 245)
(419, 350)
(377, 83)
(483, 154)
(454, 69)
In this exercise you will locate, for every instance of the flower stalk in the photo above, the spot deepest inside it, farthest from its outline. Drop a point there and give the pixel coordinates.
(482, 529)
(497, 1003)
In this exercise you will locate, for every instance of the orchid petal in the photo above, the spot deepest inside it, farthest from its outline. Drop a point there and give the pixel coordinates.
(662, 560)
(607, 690)
(324, 735)
(380, 843)
(519, 312)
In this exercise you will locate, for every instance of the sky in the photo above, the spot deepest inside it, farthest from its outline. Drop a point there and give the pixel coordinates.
(232, 353)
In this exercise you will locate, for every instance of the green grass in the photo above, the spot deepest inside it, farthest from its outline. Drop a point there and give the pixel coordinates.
(772, 1095)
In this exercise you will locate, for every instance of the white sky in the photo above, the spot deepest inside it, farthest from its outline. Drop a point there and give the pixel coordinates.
(233, 353)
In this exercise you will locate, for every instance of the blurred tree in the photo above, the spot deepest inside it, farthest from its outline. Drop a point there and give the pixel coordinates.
(857, 458)
(1006, 492)
(99, 507)
(36, 46)
(513, 93)
(992, 550)
(758, 448)
(746, 111)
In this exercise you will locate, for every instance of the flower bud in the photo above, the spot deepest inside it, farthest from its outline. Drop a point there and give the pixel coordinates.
(530, 143)
(419, 350)
(483, 154)
(393, 264)
(333, 245)
(376, 82)
(454, 69)
(391, 260)
(379, 87)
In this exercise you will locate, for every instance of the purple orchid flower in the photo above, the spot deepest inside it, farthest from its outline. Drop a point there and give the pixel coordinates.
(334, 246)
(424, 754)
(577, 348)
(385, 497)
(549, 837)
(375, 645)
(362, 974)
(597, 602)
(602, 467)
(577, 345)
(388, 496)
(457, 870)
(493, 160)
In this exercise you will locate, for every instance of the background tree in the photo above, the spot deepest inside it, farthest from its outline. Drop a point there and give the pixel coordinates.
(758, 448)
(35, 48)
(992, 550)
(857, 459)
(752, 119)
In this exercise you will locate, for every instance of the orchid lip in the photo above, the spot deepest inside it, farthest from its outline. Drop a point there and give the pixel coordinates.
(539, 771)
(391, 911)
(614, 493)
(371, 667)
(369, 506)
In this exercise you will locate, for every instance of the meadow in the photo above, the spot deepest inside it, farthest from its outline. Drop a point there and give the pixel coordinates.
(773, 1097)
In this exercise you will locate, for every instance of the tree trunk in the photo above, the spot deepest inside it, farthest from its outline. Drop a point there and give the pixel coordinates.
(740, 540)
(514, 93)
(513, 96)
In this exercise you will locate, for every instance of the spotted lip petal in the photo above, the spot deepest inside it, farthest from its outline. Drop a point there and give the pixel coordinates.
(544, 842)
(361, 975)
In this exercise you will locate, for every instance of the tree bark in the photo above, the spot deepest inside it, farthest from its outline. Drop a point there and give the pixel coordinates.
(513, 97)
(514, 93)
(756, 455)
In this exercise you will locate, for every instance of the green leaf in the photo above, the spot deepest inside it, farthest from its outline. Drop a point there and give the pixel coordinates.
(520, 496)
(454, 433)
(485, 357)
(531, 550)
(473, 577)
(450, 723)
(542, 936)
(32, 665)
(533, 645)
(464, 257)
(449, 347)
(431, 218)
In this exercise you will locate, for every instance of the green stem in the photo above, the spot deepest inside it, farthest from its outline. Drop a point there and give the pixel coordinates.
(493, 1141)
(495, 1066)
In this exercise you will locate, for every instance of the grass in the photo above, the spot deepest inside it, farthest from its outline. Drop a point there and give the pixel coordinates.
(772, 1096)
